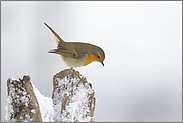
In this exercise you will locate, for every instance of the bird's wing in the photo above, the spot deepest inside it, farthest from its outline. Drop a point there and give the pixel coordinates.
(68, 50)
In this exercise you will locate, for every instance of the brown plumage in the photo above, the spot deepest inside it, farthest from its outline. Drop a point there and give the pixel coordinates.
(77, 54)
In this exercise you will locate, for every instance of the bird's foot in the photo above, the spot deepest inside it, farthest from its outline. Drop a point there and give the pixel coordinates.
(76, 73)
(82, 80)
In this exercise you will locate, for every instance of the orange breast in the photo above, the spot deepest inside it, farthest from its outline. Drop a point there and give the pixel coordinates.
(90, 59)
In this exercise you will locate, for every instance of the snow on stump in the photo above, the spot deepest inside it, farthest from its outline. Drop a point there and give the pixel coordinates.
(73, 99)
(22, 103)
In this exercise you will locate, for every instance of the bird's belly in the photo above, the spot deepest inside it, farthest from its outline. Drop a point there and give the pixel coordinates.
(72, 62)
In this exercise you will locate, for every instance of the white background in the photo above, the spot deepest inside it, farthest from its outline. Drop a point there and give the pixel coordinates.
(142, 77)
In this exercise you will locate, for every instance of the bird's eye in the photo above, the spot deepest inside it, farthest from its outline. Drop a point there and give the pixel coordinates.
(98, 56)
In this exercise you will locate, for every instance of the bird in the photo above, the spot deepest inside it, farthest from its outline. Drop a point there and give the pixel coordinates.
(77, 54)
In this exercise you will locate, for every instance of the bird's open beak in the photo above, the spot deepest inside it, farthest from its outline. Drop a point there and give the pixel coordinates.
(102, 63)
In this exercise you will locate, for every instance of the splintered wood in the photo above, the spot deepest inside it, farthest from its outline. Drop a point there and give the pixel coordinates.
(22, 103)
(73, 97)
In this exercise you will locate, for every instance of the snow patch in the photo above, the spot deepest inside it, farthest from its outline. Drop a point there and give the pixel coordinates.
(77, 106)
(76, 98)
(45, 105)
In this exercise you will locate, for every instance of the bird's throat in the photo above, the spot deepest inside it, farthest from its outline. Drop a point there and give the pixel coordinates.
(90, 59)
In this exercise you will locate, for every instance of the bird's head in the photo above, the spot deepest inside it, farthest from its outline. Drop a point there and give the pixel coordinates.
(96, 55)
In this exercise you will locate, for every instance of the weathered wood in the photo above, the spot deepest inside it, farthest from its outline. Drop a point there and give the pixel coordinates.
(73, 99)
(22, 103)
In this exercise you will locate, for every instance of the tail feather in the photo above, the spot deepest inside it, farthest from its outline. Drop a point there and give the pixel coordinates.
(58, 39)
(53, 51)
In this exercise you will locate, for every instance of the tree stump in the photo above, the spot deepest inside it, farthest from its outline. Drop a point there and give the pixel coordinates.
(22, 103)
(73, 99)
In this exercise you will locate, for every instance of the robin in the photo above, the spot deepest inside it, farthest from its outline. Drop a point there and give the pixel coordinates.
(77, 54)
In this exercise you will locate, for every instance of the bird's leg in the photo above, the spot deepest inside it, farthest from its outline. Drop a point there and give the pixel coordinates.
(75, 73)
(81, 80)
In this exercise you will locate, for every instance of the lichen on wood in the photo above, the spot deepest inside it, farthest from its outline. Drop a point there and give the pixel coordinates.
(72, 100)
(22, 103)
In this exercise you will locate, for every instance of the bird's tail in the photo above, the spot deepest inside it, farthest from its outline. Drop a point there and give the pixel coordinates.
(58, 39)
(53, 51)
